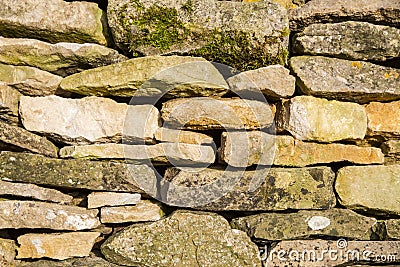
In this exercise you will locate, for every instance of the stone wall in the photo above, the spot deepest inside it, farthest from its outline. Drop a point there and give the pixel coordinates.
(199, 133)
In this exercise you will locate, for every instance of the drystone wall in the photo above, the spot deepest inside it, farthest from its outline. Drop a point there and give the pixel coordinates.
(199, 133)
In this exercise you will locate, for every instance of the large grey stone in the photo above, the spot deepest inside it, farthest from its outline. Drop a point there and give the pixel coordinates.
(185, 238)
(349, 40)
(88, 120)
(242, 35)
(347, 80)
(325, 11)
(61, 58)
(384, 118)
(53, 21)
(9, 100)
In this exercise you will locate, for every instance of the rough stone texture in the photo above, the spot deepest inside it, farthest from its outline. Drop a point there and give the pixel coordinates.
(325, 11)
(76, 173)
(62, 58)
(316, 119)
(337, 223)
(374, 189)
(280, 189)
(176, 76)
(88, 120)
(203, 239)
(9, 99)
(240, 149)
(181, 154)
(349, 40)
(144, 211)
(346, 80)
(91, 261)
(53, 21)
(354, 252)
(393, 229)
(7, 252)
(202, 113)
(391, 148)
(29, 81)
(185, 137)
(33, 191)
(22, 139)
(59, 246)
(101, 199)
(273, 81)
(383, 118)
(244, 36)
(30, 214)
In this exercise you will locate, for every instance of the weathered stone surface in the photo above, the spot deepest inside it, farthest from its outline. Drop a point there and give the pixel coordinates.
(370, 188)
(391, 149)
(347, 80)
(393, 228)
(316, 253)
(176, 76)
(9, 99)
(242, 149)
(273, 81)
(33, 191)
(61, 58)
(203, 239)
(338, 223)
(32, 214)
(316, 119)
(349, 40)
(91, 261)
(101, 199)
(29, 80)
(88, 120)
(76, 173)
(53, 21)
(325, 11)
(22, 139)
(181, 154)
(245, 36)
(202, 113)
(7, 252)
(280, 189)
(383, 118)
(185, 137)
(144, 211)
(59, 246)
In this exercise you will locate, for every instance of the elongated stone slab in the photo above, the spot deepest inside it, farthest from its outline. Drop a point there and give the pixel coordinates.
(31, 214)
(54, 246)
(383, 118)
(325, 11)
(198, 232)
(101, 199)
(185, 137)
(374, 189)
(144, 211)
(338, 223)
(242, 149)
(316, 119)
(176, 76)
(265, 189)
(202, 113)
(349, 40)
(75, 173)
(33, 191)
(347, 80)
(54, 21)
(88, 120)
(9, 100)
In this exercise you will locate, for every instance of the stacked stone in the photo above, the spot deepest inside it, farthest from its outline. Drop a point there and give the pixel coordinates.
(125, 142)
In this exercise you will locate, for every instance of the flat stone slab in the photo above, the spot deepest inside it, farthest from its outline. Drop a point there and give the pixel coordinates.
(61, 58)
(74, 173)
(88, 120)
(347, 80)
(53, 21)
(384, 119)
(186, 137)
(9, 100)
(266, 189)
(101, 199)
(58, 246)
(337, 223)
(373, 189)
(92, 260)
(144, 211)
(349, 40)
(203, 113)
(203, 239)
(316, 119)
(40, 215)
